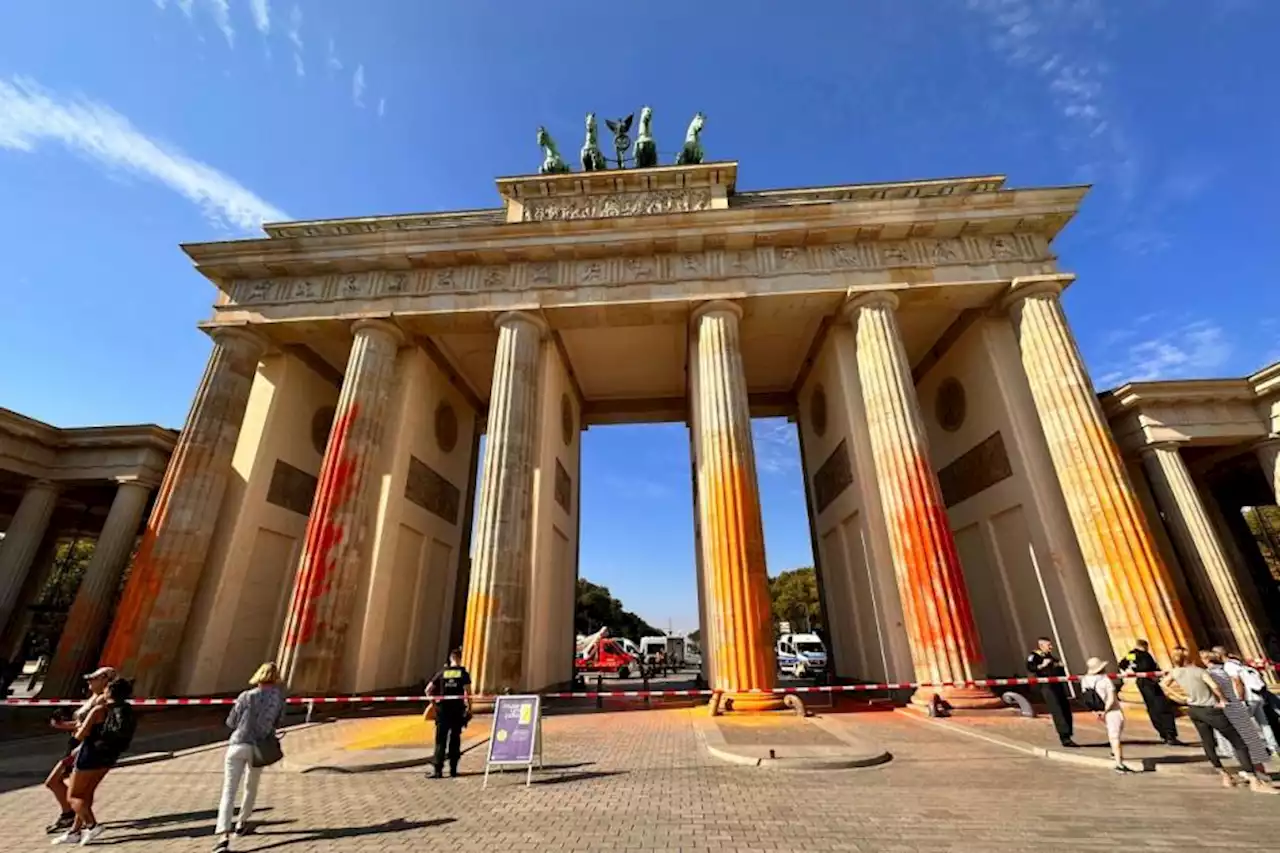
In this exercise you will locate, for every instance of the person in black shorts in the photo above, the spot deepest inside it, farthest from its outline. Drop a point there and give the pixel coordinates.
(104, 735)
(452, 714)
(57, 779)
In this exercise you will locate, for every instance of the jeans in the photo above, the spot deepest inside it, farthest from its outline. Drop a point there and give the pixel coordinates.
(1211, 721)
(239, 759)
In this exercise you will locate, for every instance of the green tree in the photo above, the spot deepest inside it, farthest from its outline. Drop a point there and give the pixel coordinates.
(596, 608)
(795, 599)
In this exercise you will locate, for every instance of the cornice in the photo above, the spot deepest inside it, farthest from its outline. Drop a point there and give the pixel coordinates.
(1135, 395)
(1267, 380)
(73, 438)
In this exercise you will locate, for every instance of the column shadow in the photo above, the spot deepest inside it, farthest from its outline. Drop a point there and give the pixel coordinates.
(314, 835)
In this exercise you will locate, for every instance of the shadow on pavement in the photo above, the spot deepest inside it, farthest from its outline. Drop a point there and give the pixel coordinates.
(313, 835)
(203, 829)
(578, 777)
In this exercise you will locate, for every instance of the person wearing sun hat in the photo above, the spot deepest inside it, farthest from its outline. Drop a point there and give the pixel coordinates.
(98, 681)
(1106, 704)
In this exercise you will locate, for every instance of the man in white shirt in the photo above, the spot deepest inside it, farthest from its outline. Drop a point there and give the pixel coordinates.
(1252, 690)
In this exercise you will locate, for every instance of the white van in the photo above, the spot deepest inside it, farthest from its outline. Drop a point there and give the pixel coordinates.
(801, 654)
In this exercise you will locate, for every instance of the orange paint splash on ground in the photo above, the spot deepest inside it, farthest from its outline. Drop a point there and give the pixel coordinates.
(324, 533)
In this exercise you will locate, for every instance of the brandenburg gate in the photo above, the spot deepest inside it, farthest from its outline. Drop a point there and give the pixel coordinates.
(965, 491)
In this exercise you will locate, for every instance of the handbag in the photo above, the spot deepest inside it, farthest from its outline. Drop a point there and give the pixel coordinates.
(267, 751)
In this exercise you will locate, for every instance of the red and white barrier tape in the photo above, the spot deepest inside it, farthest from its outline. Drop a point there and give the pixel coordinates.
(593, 694)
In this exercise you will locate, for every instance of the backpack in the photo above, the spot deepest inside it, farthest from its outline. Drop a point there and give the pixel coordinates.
(1091, 700)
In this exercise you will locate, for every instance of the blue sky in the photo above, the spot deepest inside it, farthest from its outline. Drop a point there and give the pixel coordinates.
(127, 127)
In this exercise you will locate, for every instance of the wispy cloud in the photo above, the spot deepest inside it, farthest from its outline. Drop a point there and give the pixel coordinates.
(1156, 347)
(332, 62)
(295, 36)
(382, 107)
(357, 86)
(30, 116)
(221, 11)
(261, 10)
(777, 445)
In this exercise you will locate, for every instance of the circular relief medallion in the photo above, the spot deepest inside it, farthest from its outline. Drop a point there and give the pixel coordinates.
(446, 427)
(818, 410)
(949, 405)
(567, 425)
(321, 423)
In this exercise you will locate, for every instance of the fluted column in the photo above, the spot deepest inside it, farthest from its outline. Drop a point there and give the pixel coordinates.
(1269, 458)
(935, 601)
(153, 611)
(78, 645)
(340, 528)
(1132, 584)
(732, 533)
(493, 639)
(1198, 544)
(22, 541)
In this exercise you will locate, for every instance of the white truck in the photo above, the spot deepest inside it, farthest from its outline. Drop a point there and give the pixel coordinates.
(801, 655)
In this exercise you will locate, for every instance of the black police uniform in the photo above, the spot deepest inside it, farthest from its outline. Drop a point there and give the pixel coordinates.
(1042, 664)
(451, 714)
(1159, 708)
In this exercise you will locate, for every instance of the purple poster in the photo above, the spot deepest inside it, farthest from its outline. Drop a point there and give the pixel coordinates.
(515, 721)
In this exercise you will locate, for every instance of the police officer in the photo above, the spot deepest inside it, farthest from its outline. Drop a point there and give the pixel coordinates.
(452, 714)
(1159, 708)
(1043, 663)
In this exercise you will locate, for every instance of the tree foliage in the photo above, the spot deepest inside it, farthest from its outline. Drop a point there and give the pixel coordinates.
(795, 599)
(596, 608)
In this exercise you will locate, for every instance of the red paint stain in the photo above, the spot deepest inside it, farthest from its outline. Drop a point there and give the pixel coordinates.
(130, 623)
(324, 533)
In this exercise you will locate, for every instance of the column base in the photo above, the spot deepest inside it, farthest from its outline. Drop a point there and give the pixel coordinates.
(755, 703)
(960, 698)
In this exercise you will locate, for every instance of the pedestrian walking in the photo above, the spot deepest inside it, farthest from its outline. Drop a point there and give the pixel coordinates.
(1043, 663)
(1253, 691)
(104, 735)
(1159, 709)
(450, 693)
(254, 721)
(1105, 702)
(1205, 702)
(56, 782)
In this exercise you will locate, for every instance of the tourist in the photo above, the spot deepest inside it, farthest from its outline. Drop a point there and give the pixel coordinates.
(104, 736)
(1159, 708)
(1252, 690)
(450, 693)
(1107, 707)
(1236, 710)
(98, 680)
(1043, 663)
(254, 719)
(1205, 702)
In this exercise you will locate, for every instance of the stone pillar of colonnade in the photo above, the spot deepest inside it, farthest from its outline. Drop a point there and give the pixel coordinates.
(732, 534)
(1204, 556)
(22, 542)
(497, 601)
(937, 613)
(78, 645)
(147, 630)
(340, 535)
(1269, 458)
(1132, 584)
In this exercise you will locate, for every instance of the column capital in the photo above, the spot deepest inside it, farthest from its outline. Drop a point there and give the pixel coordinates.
(1151, 449)
(381, 324)
(43, 485)
(1025, 286)
(1268, 443)
(858, 300)
(135, 480)
(715, 306)
(511, 318)
(245, 337)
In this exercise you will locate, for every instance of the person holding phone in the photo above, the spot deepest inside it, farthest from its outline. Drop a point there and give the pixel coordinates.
(56, 782)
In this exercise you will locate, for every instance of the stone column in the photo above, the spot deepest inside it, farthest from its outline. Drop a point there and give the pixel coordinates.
(22, 542)
(732, 533)
(340, 532)
(1198, 544)
(935, 602)
(1269, 458)
(153, 611)
(1132, 584)
(493, 639)
(78, 645)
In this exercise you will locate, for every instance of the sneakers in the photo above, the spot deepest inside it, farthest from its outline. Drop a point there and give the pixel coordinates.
(87, 836)
(1070, 744)
(1260, 787)
(62, 824)
(71, 836)
(1123, 769)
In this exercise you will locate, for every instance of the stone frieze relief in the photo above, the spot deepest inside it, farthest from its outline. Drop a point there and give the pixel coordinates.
(621, 204)
(716, 264)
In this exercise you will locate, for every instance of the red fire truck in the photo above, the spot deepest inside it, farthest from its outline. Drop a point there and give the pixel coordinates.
(602, 653)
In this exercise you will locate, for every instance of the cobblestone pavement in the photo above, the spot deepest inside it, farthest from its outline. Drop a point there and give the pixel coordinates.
(639, 781)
